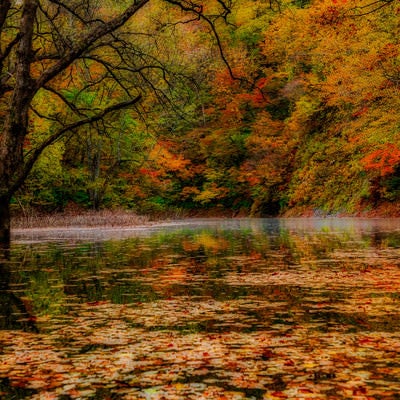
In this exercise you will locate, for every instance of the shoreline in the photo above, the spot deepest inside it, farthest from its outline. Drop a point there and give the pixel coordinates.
(103, 232)
(110, 220)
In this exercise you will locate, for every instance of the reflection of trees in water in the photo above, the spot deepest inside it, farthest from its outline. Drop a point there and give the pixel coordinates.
(192, 263)
(380, 239)
(14, 312)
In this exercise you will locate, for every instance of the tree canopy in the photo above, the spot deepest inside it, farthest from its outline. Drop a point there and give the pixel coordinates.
(258, 108)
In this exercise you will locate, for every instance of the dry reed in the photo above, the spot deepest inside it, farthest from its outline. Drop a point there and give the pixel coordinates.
(102, 218)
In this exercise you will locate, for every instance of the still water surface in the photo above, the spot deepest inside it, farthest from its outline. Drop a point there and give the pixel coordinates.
(209, 309)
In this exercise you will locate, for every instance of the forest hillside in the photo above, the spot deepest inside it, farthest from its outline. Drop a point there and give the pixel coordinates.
(300, 115)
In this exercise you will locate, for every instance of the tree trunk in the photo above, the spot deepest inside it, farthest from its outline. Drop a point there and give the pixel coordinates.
(15, 126)
(5, 221)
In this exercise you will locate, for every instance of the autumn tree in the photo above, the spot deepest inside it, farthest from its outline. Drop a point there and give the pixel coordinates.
(47, 46)
(338, 65)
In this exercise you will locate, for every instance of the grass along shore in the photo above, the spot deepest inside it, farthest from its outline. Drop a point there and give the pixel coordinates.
(84, 219)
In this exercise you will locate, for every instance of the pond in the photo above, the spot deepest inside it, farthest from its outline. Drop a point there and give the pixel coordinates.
(208, 309)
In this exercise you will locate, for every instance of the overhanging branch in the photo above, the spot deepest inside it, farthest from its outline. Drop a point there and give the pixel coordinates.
(88, 40)
(34, 154)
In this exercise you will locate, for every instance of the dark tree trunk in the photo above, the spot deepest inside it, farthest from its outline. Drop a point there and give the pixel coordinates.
(11, 159)
(15, 127)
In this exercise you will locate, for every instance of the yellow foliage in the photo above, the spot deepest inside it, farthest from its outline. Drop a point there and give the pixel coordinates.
(188, 192)
(210, 242)
(211, 191)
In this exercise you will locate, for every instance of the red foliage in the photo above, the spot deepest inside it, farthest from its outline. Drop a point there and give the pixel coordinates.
(149, 172)
(360, 112)
(383, 160)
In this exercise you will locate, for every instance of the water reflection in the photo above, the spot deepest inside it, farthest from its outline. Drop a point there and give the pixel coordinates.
(235, 309)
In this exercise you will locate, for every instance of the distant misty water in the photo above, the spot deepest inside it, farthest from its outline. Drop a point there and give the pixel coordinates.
(267, 225)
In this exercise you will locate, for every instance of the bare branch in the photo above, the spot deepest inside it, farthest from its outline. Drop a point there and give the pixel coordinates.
(5, 6)
(85, 42)
(368, 8)
(64, 41)
(198, 10)
(4, 87)
(9, 47)
(70, 105)
(75, 14)
(47, 117)
(226, 8)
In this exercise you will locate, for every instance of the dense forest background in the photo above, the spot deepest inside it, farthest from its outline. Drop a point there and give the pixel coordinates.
(300, 114)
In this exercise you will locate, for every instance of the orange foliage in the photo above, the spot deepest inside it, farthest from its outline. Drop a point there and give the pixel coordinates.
(383, 160)
(168, 161)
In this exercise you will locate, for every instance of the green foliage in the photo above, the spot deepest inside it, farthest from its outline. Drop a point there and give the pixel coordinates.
(47, 187)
